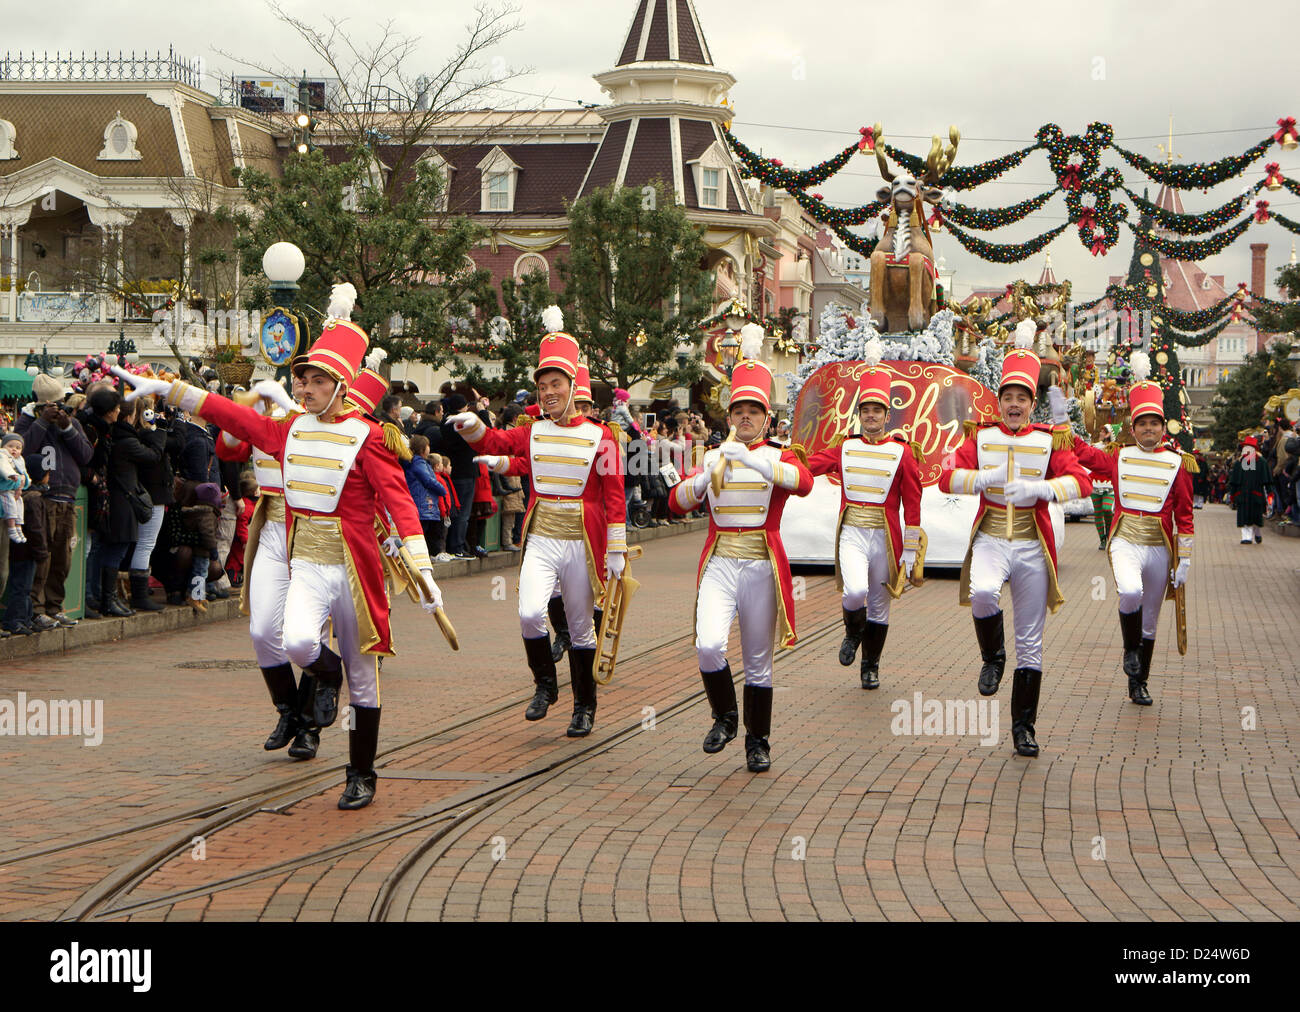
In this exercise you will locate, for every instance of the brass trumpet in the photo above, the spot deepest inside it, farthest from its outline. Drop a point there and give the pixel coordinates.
(613, 605)
(719, 474)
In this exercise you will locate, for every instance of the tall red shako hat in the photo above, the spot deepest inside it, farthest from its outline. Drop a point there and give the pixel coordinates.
(1144, 397)
(558, 350)
(370, 387)
(873, 387)
(342, 344)
(582, 385)
(1021, 366)
(751, 380)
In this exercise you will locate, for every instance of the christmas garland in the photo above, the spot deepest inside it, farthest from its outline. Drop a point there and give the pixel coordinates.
(984, 218)
(1061, 149)
(962, 177)
(1194, 175)
(1195, 249)
(1086, 307)
(1193, 224)
(827, 215)
(1201, 338)
(1290, 224)
(1005, 254)
(860, 244)
(1098, 222)
(772, 172)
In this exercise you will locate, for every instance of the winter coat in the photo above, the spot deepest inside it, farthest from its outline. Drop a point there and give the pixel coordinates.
(197, 460)
(72, 452)
(157, 477)
(126, 455)
(1249, 486)
(201, 520)
(453, 446)
(425, 488)
(513, 501)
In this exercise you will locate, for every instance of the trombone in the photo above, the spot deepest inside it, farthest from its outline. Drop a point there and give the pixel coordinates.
(613, 605)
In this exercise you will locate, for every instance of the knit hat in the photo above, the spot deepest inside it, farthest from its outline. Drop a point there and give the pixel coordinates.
(453, 404)
(10, 437)
(521, 396)
(47, 388)
(208, 493)
(621, 396)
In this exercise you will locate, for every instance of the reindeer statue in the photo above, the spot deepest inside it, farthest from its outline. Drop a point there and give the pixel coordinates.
(902, 265)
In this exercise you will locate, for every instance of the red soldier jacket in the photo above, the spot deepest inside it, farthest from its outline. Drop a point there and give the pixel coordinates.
(573, 461)
(750, 505)
(876, 474)
(1038, 456)
(313, 456)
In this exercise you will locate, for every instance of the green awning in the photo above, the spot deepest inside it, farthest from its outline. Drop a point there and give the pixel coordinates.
(15, 383)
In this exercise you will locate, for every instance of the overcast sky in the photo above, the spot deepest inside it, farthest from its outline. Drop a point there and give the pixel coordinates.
(997, 71)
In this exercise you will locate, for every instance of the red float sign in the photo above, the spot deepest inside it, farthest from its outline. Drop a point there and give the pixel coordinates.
(929, 404)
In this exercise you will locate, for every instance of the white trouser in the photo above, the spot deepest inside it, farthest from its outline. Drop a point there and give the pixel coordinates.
(268, 585)
(864, 568)
(147, 537)
(1140, 575)
(725, 583)
(1248, 533)
(550, 563)
(318, 592)
(993, 562)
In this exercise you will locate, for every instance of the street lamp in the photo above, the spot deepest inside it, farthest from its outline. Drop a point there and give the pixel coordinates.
(730, 349)
(283, 264)
(42, 363)
(123, 348)
(736, 317)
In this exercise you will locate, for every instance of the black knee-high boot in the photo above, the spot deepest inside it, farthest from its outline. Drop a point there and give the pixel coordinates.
(284, 694)
(1025, 683)
(323, 706)
(758, 725)
(560, 623)
(721, 691)
(855, 625)
(989, 633)
(582, 675)
(542, 664)
(1137, 691)
(307, 740)
(873, 642)
(363, 743)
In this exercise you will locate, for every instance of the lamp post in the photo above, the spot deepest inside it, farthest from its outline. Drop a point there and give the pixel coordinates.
(123, 348)
(283, 264)
(730, 349)
(42, 363)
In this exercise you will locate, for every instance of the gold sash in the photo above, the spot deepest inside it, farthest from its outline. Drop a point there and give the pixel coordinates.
(274, 508)
(319, 540)
(556, 520)
(858, 515)
(994, 523)
(1139, 530)
(741, 545)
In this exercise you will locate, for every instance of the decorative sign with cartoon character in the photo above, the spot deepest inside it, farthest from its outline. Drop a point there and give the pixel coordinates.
(280, 336)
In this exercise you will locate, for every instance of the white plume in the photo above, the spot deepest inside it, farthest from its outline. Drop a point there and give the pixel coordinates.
(1140, 363)
(553, 319)
(873, 351)
(342, 298)
(1026, 331)
(751, 341)
(375, 358)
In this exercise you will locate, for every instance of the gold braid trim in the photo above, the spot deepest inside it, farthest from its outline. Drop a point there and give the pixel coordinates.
(1062, 438)
(396, 441)
(916, 451)
(1190, 465)
(969, 427)
(798, 450)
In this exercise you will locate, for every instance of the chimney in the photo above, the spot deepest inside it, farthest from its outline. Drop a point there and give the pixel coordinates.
(1258, 276)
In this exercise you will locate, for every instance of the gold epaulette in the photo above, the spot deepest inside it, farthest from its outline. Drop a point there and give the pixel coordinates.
(1189, 463)
(916, 451)
(396, 441)
(1113, 447)
(1062, 437)
(798, 450)
(615, 430)
(970, 427)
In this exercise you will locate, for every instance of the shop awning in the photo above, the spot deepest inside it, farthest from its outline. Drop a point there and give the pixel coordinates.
(15, 383)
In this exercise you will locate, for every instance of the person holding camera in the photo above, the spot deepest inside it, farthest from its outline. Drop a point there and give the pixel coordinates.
(55, 445)
(155, 431)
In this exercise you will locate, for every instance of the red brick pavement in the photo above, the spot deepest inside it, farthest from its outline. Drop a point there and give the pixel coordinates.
(1198, 817)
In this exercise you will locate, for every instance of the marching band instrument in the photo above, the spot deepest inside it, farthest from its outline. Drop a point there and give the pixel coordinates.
(1180, 607)
(417, 585)
(1011, 475)
(719, 474)
(613, 605)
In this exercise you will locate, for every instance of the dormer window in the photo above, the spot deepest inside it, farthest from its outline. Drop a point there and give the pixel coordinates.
(710, 173)
(119, 141)
(500, 176)
(8, 136)
(445, 169)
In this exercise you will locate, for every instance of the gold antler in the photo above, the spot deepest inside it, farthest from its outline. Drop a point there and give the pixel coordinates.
(885, 174)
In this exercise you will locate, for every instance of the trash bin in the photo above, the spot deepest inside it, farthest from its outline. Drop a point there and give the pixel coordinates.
(74, 588)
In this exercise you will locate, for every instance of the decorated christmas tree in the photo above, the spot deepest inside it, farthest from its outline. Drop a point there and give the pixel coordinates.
(987, 369)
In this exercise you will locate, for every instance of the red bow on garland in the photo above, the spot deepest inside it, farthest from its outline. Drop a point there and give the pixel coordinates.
(776, 162)
(1087, 217)
(1070, 178)
(1242, 291)
(1099, 244)
(934, 219)
(868, 142)
(1273, 175)
(1286, 130)
(1261, 211)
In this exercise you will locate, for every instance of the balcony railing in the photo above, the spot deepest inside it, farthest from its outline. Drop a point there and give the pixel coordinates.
(101, 67)
(58, 307)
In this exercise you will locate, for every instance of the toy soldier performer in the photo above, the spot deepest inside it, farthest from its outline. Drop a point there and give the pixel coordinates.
(1017, 468)
(1249, 484)
(337, 472)
(743, 568)
(1153, 491)
(873, 553)
(575, 534)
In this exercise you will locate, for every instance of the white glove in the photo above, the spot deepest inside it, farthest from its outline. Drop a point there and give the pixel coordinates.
(464, 420)
(614, 564)
(700, 484)
(141, 386)
(909, 560)
(738, 453)
(393, 546)
(1027, 493)
(275, 393)
(428, 605)
(1180, 574)
(993, 476)
(1056, 400)
(497, 464)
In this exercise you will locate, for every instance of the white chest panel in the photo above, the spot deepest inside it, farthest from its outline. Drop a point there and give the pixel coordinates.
(746, 495)
(317, 459)
(266, 469)
(1146, 479)
(561, 456)
(1029, 456)
(868, 469)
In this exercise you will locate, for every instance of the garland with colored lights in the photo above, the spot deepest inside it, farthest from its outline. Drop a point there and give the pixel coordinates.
(1290, 224)
(1195, 175)
(1004, 254)
(1192, 224)
(860, 244)
(962, 177)
(1086, 307)
(984, 218)
(1201, 338)
(1098, 222)
(1061, 149)
(827, 215)
(1195, 249)
(772, 172)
